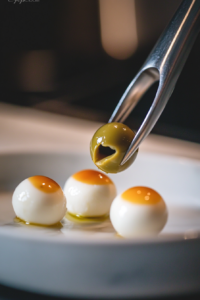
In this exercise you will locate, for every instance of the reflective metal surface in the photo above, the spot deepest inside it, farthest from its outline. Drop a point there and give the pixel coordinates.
(164, 64)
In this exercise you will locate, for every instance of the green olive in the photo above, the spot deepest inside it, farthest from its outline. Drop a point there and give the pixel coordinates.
(109, 145)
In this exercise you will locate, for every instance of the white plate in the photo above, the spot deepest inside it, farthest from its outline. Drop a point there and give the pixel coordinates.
(89, 259)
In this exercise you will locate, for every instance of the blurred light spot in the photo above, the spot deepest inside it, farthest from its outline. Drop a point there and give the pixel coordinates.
(118, 27)
(191, 234)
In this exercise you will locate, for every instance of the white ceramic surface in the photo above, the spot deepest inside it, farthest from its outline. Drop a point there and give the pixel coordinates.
(89, 259)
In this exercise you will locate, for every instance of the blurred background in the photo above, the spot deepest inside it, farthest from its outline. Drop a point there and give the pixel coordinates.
(76, 58)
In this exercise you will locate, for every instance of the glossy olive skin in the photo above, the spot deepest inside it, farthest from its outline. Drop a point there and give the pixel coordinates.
(117, 137)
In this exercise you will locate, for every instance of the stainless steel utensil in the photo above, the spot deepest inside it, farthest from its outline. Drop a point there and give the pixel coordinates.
(164, 64)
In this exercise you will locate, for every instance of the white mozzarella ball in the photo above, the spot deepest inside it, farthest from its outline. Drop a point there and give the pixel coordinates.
(39, 200)
(139, 211)
(89, 193)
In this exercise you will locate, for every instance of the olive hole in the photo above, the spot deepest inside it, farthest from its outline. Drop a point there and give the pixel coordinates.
(103, 152)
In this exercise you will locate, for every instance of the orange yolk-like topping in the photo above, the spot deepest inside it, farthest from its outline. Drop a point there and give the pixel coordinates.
(141, 195)
(92, 177)
(44, 184)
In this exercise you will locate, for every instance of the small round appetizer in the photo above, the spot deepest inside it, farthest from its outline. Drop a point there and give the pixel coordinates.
(39, 200)
(139, 211)
(109, 145)
(89, 193)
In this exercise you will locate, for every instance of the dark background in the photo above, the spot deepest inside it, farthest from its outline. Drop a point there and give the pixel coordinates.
(52, 59)
(81, 79)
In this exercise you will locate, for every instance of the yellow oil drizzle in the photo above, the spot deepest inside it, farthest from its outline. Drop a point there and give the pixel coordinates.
(119, 236)
(20, 221)
(81, 219)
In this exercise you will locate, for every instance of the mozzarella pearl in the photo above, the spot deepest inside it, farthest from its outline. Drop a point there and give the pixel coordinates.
(89, 194)
(139, 211)
(39, 200)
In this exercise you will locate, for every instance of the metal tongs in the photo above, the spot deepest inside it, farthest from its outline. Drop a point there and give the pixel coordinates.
(164, 64)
